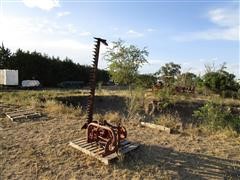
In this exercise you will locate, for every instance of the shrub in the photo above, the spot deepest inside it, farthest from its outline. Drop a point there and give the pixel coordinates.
(217, 117)
(133, 106)
(229, 94)
(145, 80)
(220, 81)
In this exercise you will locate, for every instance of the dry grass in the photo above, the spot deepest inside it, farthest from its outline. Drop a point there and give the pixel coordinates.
(169, 120)
(39, 150)
(58, 109)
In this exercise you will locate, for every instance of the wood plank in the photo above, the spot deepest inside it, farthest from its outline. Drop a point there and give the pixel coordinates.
(24, 116)
(111, 156)
(105, 161)
(34, 115)
(94, 150)
(97, 150)
(155, 126)
(18, 110)
(79, 141)
(23, 112)
(100, 152)
(91, 146)
(87, 145)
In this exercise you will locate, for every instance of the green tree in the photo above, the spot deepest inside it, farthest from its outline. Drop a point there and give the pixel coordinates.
(187, 79)
(169, 72)
(146, 80)
(124, 62)
(217, 117)
(48, 70)
(5, 55)
(220, 80)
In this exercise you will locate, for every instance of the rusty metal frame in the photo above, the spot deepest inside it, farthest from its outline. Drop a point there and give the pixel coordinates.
(105, 134)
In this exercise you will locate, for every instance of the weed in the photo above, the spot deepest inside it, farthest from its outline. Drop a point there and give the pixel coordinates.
(133, 106)
(217, 117)
(169, 120)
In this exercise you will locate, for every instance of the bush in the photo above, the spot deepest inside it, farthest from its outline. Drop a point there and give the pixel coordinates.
(164, 93)
(164, 98)
(229, 94)
(145, 80)
(217, 117)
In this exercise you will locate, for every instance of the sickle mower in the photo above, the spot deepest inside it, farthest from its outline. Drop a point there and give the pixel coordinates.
(103, 140)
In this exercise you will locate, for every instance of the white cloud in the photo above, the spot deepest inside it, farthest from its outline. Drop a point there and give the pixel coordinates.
(133, 33)
(151, 30)
(42, 4)
(86, 33)
(231, 33)
(71, 28)
(61, 14)
(46, 36)
(198, 67)
(223, 17)
(227, 27)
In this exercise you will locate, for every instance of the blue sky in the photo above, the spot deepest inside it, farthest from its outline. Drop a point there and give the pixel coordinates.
(191, 33)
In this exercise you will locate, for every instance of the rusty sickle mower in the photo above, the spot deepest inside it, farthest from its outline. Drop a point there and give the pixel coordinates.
(103, 133)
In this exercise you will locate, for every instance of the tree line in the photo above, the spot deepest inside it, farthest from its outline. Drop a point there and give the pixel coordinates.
(48, 70)
(125, 60)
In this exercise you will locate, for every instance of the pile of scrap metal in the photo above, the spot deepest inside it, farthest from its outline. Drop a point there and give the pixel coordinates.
(183, 89)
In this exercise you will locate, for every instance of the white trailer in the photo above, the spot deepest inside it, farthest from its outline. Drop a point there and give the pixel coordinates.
(30, 83)
(8, 77)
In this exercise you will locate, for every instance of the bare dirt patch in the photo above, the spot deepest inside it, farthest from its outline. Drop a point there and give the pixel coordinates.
(40, 150)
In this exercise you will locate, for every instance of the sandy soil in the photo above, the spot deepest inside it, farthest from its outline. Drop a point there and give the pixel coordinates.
(40, 150)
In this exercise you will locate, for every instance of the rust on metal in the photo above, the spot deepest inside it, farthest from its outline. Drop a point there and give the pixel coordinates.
(92, 80)
(106, 135)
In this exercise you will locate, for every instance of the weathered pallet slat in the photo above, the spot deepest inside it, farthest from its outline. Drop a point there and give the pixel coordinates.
(94, 150)
(14, 112)
(7, 107)
(19, 110)
(155, 126)
(22, 114)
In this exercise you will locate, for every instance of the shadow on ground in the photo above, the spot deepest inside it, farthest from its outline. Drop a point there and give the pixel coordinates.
(184, 110)
(180, 165)
(102, 105)
(118, 104)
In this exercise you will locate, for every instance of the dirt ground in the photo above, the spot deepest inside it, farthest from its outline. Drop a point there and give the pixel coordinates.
(40, 150)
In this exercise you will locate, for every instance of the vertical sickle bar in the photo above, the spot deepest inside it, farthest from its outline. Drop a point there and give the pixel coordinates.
(93, 76)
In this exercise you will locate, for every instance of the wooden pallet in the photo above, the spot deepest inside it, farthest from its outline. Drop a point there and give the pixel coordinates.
(94, 150)
(7, 107)
(22, 114)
